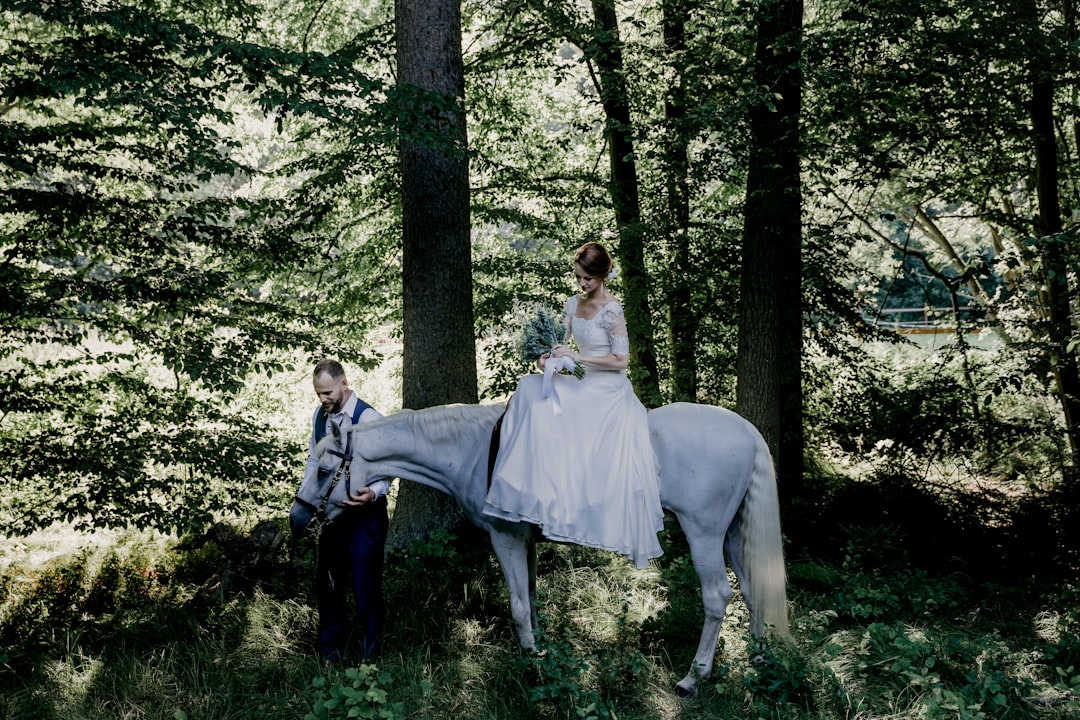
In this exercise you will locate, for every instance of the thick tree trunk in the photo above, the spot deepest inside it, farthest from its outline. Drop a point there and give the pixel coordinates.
(681, 313)
(439, 357)
(606, 53)
(1058, 293)
(769, 390)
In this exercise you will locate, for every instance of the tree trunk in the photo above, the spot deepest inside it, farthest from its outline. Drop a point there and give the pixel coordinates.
(606, 53)
(681, 314)
(769, 391)
(439, 355)
(1058, 292)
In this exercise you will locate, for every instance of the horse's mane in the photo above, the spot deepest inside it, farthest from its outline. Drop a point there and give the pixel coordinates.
(453, 423)
(439, 424)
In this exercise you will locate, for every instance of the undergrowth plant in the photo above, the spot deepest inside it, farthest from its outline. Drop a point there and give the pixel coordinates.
(1063, 660)
(358, 692)
(558, 674)
(778, 674)
(953, 676)
(123, 630)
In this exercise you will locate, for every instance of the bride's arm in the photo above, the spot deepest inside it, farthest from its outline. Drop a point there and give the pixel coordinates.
(602, 362)
(614, 361)
(614, 322)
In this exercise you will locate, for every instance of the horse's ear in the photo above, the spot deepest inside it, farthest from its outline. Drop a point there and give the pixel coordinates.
(335, 430)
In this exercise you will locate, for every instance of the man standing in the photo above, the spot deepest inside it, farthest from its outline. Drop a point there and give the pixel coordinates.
(352, 546)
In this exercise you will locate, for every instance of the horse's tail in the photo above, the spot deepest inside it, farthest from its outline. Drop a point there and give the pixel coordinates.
(763, 547)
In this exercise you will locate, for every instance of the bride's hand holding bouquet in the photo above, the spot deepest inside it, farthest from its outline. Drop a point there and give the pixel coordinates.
(564, 361)
(542, 341)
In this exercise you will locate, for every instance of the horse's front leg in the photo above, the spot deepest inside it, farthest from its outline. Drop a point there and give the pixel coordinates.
(532, 580)
(513, 550)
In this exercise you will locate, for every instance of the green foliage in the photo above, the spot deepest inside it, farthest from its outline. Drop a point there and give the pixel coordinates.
(130, 454)
(585, 684)
(127, 622)
(778, 675)
(359, 694)
(988, 690)
(434, 557)
(114, 590)
(444, 575)
(155, 265)
(506, 283)
(903, 406)
(561, 677)
(1063, 663)
(1065, 653)
(880, 585)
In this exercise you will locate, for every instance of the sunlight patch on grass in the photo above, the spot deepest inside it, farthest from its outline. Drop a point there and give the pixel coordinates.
(472, 633)
(659, 702)
(31, 553)
(1048, 626)
(478, 661)
(276, 628)
(597, 598)
(72, 678)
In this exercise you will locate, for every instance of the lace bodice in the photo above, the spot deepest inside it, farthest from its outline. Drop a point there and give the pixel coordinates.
(603, 334)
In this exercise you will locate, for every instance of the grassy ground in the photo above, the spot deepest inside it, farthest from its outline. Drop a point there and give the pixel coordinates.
(130, 625)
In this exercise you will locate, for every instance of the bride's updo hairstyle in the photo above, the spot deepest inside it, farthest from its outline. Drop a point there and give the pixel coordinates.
(594, 260)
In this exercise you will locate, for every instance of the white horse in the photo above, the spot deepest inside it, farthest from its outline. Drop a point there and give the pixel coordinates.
(716, 477)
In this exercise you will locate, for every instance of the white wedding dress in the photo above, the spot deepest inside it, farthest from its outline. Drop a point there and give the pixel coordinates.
(587, 474)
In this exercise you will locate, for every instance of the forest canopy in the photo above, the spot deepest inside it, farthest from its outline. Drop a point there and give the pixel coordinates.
(197, 200)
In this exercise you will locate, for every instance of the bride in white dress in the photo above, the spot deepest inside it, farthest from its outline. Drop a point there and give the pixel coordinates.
(580, 466)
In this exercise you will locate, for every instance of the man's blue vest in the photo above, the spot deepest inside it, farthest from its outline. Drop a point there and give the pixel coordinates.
(320, 418)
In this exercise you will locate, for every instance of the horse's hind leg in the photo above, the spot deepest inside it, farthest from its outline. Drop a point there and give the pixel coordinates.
(708, 556)
(734, 554)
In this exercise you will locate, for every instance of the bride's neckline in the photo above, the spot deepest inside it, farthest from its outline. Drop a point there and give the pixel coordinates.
(599, 310)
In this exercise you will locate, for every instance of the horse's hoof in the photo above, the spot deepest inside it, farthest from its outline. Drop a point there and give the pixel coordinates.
(685, 693)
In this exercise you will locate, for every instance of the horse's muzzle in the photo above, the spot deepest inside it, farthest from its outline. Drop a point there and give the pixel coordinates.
(299, 518)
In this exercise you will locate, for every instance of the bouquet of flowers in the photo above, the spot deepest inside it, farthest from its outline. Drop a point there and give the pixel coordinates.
(541, 332)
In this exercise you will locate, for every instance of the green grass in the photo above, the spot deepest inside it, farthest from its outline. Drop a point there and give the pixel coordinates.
(130, 625)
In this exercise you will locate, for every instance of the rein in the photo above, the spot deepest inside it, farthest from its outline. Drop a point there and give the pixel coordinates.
(319, 521)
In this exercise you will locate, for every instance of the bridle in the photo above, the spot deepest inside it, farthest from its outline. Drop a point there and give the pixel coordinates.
(319, 521)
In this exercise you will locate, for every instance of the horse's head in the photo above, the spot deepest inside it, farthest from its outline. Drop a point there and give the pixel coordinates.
(320, 498)
(445, 447)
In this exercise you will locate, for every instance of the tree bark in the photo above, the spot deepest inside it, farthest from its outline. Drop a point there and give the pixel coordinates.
(606, 53)
(769, 390)
(1055, 271)
(681, 315)
(439, 354)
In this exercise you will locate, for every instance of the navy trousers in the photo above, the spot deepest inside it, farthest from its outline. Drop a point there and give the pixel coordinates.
(350, 557)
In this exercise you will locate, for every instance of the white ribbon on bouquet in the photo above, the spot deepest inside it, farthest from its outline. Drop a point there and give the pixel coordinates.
(553, 365)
